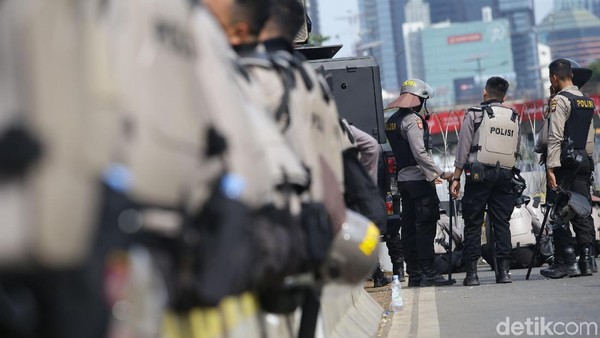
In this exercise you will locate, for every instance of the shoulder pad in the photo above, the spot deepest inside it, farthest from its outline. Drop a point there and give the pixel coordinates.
(281, 58)
(475, 108)
(257, 60)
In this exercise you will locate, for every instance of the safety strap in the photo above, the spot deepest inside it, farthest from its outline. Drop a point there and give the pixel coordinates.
(277, 62)
(282, 113)
(476, 124)
(346, 128)
(310, 315)
(489, 111)
(286, 64)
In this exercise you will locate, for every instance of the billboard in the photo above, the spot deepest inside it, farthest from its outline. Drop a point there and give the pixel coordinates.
(466, 91)
(458, 57)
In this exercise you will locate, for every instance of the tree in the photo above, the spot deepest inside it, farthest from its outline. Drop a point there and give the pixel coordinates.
(595, 67)
(318, 39)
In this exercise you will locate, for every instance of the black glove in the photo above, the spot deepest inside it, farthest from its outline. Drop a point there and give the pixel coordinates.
(19, 150)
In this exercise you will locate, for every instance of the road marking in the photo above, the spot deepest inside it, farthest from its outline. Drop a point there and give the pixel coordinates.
(428, 324)
(419, 317)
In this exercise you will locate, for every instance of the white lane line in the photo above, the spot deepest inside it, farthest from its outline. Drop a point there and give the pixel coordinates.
(419, 317)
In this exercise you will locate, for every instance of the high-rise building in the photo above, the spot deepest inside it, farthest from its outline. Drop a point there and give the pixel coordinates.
(381, 36)
(417, 11)
(460, 57)
(520, 15)
(398, 19)
(545, 58)
(458, 10)
(312, 9)
(414, 49)
(573, 34)
(384, 36)
(418, 16)
(590, 5)
(562, 5)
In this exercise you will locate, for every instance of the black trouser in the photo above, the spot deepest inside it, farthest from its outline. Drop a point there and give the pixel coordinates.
(420, 212)
(393, 242)
(496, 193)
(578, 181)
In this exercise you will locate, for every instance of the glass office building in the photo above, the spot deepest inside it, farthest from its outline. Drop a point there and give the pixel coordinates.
(459, 58)
(572, 34)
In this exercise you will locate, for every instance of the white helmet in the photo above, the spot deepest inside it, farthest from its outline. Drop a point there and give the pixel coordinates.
(353, 254)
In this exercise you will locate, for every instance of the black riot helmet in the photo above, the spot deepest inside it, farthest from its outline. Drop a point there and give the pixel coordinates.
(580, 75)
(519, 185)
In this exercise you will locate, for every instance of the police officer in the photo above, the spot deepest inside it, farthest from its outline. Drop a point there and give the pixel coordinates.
(408, 135)
(369, 149)
(487, 146)
(569, 166)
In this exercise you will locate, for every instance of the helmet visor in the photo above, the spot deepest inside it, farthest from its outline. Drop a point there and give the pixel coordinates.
(406, 100)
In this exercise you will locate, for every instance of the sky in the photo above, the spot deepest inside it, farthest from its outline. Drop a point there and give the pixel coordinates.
(339, 20)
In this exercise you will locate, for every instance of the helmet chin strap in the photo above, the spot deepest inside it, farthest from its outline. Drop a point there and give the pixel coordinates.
(427, 115)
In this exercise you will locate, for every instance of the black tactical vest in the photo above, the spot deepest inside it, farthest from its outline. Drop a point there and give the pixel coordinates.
(578, 124)
(400, 146)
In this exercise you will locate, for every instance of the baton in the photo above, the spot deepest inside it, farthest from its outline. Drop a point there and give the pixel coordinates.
(538, 240)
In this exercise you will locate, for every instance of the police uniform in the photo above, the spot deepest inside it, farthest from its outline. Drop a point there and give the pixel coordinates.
(570, 118)
(487, 153)
(300, 102)
(408, 135)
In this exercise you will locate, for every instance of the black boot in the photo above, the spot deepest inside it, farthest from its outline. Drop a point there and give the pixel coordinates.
(398, 268)
(503, 267)
(594, 264)
(414, 274)
(430, 276)
(380, 279)
(568, 267)
(471, 279)
(586, 260)
(554, 262)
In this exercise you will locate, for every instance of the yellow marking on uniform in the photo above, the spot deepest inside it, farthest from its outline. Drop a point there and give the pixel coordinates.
(390, 126)
(232, 312)
(553, 105)
(248, 304)
(410, 83)
(206, 323)
(170, 326)
(370, 241)
(197, 324)
(585, 103)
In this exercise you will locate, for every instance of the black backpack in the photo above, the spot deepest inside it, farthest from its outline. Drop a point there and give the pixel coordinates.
(361, 193)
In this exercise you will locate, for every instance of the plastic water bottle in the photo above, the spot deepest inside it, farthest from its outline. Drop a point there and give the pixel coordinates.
(389, 204)
(397, 303)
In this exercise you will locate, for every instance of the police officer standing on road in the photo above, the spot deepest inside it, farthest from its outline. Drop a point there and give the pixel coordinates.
(569, 165)
(408, 134)
(487, 149)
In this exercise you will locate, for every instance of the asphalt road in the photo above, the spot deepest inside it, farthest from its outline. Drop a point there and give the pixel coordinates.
(535, 307)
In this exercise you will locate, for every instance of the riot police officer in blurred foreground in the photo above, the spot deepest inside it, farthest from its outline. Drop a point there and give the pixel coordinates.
(408, 134)
(487, 148)
(569, 165)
